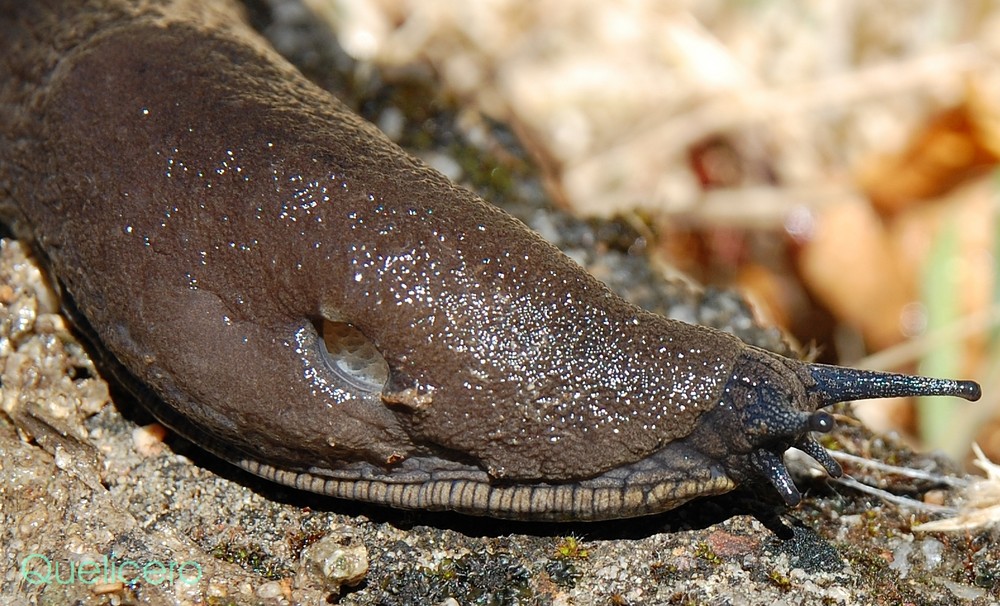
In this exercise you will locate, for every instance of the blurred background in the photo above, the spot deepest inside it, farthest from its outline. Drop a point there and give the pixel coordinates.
(834, 161)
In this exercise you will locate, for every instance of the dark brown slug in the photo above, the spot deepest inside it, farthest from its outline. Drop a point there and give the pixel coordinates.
(207, 209)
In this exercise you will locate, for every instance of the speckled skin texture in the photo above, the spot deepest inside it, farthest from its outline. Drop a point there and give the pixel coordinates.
(206, 208)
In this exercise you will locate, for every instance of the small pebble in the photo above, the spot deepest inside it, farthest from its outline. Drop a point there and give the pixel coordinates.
(337, 559)
(148, 439)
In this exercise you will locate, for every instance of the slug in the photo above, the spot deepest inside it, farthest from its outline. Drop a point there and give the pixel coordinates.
(304, 299)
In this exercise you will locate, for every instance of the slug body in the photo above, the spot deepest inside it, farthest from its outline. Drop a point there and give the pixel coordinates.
(210, 213)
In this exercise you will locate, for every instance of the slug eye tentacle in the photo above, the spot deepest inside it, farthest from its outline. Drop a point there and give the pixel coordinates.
(777, 423)
(837, 384)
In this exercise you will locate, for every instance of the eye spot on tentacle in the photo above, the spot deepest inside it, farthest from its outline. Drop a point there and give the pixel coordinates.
(821, 421)
(352, 357)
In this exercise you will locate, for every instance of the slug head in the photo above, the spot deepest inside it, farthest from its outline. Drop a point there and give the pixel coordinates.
(771, 403)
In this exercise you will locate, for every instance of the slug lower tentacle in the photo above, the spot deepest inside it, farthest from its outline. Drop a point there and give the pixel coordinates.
(308, 301)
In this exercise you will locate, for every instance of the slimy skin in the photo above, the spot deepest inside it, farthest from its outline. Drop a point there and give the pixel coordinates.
(208, 212)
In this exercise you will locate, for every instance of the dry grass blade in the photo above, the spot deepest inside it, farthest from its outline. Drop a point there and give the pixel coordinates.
(981, 506)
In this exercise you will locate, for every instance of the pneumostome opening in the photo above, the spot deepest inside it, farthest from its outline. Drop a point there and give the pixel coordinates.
(352, 356)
